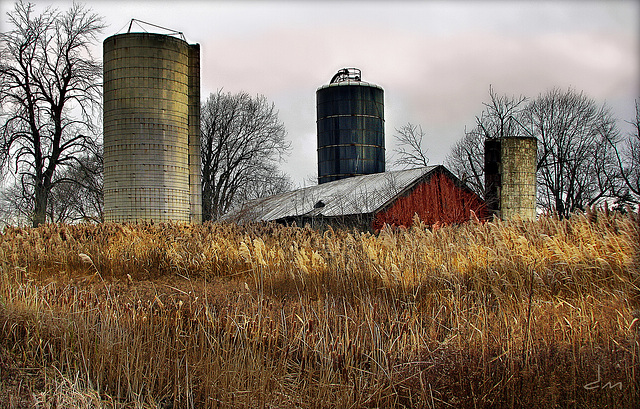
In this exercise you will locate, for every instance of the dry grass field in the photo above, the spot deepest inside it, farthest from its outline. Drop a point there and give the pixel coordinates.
(481, 315)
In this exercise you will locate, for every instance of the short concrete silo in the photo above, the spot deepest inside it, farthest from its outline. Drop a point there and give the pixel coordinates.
(518, 178)
(350, 121)
(510, 177)
(151, 128)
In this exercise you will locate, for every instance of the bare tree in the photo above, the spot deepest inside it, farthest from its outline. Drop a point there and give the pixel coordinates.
(242, 143)
(265, 182)
(466, 160)
(79, 198)
(49, 91)
(576, 158)
(500, 118)
(14, 205)
(576, 147)
(409, 139)
(629, 162)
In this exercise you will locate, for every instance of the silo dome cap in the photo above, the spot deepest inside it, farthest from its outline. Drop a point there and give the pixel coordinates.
(348, 77)
(347, 74)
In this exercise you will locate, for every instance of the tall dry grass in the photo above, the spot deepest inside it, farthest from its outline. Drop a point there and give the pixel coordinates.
(477, 315)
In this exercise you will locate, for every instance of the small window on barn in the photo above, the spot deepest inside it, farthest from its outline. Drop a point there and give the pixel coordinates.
(319, 204)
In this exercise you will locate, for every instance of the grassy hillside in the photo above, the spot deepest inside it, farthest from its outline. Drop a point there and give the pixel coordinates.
(479, 315)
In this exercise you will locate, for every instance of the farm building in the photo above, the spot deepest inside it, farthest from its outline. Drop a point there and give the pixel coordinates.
(368, 202)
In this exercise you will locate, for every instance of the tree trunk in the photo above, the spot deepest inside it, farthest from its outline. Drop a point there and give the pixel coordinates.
(40, 208)
(560, 210)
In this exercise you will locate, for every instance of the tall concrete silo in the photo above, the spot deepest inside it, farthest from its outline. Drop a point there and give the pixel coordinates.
(350, 122)
(151, 128)
(510, 177)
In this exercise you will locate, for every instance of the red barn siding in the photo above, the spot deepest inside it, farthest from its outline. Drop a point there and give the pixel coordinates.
(436, 200)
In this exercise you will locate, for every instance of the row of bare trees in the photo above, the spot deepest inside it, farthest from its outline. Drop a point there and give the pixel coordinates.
(583, 159)
(628, 159)
(51, 153)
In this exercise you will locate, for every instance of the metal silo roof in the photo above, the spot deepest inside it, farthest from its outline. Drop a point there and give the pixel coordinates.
(350, 83)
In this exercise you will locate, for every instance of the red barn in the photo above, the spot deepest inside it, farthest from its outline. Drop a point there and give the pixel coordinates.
(368, 202)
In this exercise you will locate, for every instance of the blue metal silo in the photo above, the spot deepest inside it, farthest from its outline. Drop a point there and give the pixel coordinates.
(350, 125)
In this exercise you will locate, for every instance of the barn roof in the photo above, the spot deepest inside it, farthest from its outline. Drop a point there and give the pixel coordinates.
(354, 195)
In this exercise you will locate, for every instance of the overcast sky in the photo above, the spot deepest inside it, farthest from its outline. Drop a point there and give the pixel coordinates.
(434, 59)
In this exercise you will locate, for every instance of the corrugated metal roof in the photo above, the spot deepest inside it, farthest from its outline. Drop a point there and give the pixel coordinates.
(354, 195)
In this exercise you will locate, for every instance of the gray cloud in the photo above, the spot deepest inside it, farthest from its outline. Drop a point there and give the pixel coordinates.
(435, 60)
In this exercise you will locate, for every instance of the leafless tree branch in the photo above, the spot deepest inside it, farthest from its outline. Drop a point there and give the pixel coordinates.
(577, 141)
(576, 162)
(50, 92)
(242, 142)
(409, 139)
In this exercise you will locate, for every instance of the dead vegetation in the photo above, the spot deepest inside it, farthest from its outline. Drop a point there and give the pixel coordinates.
(477, 315)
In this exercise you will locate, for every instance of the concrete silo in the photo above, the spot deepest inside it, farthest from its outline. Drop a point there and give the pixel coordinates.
(510, 177)
(350, 123)
(151, 128)
(518, 178)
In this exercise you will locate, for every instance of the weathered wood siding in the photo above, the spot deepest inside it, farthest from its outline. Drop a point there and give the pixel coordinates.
(437, 200)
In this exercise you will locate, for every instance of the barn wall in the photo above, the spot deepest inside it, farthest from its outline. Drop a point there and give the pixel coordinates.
(360, 222)
(436, 200)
